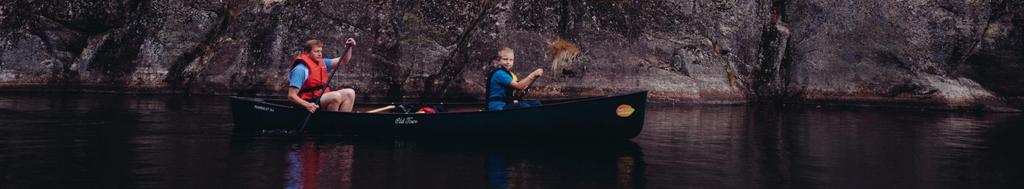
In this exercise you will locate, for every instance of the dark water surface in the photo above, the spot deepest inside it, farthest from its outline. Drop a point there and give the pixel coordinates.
(112, 141)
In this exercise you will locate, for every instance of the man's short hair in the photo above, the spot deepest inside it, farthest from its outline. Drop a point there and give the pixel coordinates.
(504, 50)
(312, 43)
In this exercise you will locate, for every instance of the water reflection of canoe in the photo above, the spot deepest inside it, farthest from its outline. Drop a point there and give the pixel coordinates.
(620, 116)
(437, 162)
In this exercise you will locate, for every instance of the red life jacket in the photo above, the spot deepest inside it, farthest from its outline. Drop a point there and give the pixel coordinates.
(316, 81)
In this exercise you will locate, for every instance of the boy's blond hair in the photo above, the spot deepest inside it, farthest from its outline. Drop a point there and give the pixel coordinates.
(505, 51)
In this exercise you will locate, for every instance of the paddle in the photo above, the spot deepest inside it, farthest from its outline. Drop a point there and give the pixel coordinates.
(385, 108)
(323, 91)
(526, 90)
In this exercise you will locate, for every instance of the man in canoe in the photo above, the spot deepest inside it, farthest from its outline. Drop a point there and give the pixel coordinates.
(308, 79)
(502, 83)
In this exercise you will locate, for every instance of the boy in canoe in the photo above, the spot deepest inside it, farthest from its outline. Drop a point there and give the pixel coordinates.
(502, 83)
(309, 76)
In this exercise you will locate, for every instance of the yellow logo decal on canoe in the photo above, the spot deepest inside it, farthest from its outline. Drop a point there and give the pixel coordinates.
(624, 110)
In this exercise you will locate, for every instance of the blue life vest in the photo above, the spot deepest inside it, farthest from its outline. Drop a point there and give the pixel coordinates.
(508, 96)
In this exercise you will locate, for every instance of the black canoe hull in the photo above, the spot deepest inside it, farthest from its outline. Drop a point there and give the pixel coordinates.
(591, 117)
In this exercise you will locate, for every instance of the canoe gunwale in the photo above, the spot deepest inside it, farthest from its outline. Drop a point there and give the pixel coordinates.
(560, 102)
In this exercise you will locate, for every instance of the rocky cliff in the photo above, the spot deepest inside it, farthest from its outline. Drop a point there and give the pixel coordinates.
(951, 54)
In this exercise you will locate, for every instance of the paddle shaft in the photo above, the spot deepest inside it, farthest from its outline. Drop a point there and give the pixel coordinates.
(323, 91)
(385, 108)
(526, 91)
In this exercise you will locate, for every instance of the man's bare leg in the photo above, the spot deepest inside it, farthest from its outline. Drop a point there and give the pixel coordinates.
(347, 99)
(330, 101)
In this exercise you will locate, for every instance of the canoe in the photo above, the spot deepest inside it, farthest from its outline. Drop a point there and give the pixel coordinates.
(615, 116)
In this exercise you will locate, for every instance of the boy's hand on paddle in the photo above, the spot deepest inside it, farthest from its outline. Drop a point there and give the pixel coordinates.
(350, 42)
(311, 107)
(537, 73)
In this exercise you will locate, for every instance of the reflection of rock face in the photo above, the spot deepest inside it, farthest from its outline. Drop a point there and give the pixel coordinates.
(957, 54)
